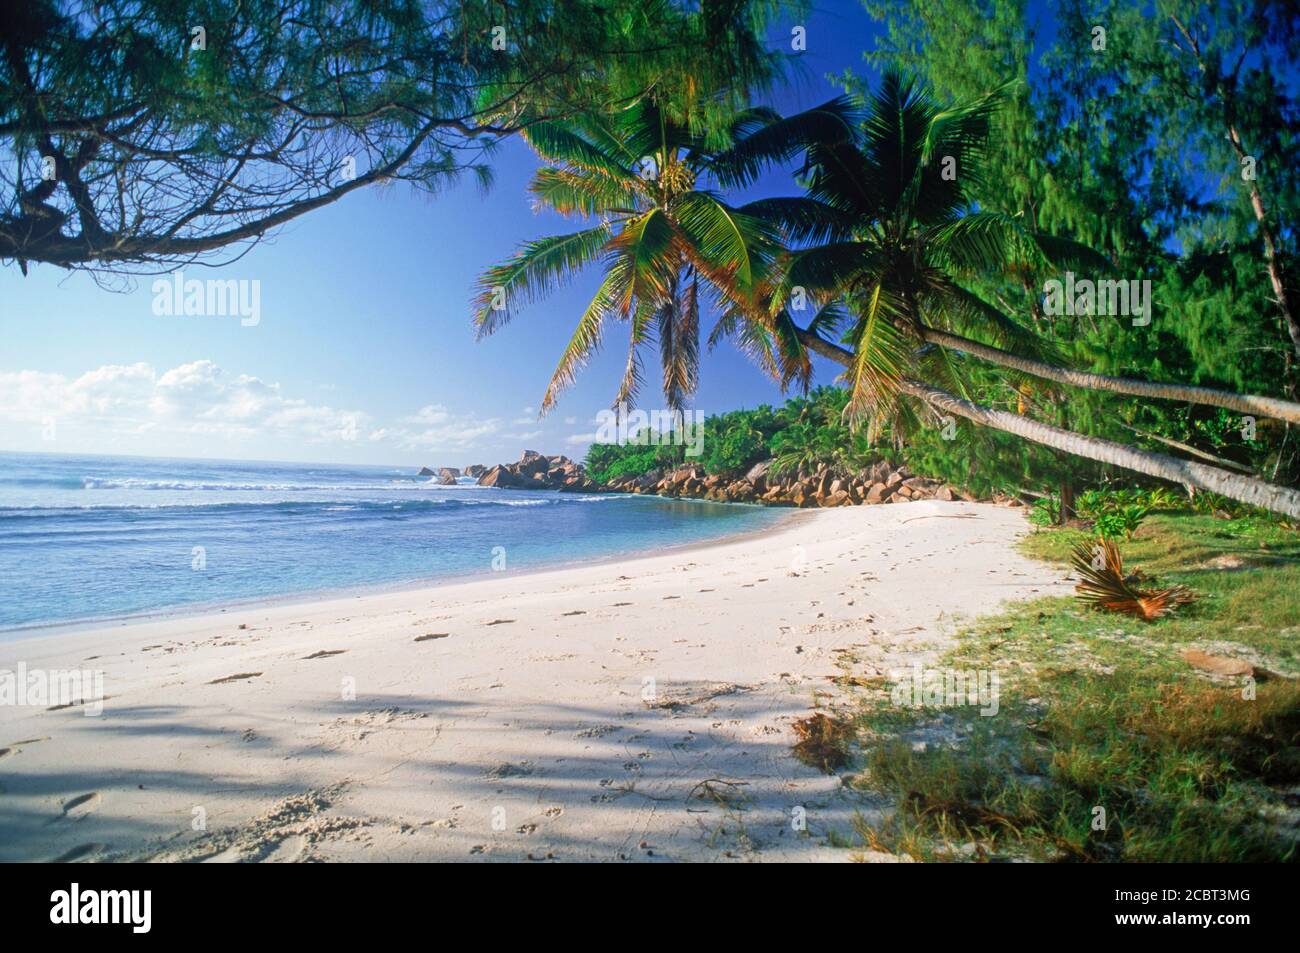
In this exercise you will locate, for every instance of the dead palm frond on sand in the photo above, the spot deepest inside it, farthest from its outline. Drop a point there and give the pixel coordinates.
(1105, 586)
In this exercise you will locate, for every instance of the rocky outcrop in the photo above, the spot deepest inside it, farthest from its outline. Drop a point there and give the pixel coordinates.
(446, 476)
(536, 471)
(880, 483)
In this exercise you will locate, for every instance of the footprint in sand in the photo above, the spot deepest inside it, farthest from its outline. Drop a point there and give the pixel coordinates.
(431, 635)
(79, 806)
(499, 622)
(617, 604)
(323, 653)
(77, 853)
(575, 612)
(8, 751)
(242, 676)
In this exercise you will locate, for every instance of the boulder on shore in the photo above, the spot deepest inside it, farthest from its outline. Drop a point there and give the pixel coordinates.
(879, 493)
(498, 476)
(535, 471)
(447, 476)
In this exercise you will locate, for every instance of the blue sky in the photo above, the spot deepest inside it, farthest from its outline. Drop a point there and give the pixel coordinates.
(364, 351)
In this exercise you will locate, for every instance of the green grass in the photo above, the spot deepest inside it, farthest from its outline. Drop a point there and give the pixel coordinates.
(1100, 711)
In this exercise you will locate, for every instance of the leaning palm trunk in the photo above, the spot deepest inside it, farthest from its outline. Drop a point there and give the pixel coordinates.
(1278, 499)
(1242, 403)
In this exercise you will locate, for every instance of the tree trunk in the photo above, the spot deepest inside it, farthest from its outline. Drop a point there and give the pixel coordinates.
(1270, 496)
(1276, 271)
(1272, 257)
(1067, 501)
(1242, 403)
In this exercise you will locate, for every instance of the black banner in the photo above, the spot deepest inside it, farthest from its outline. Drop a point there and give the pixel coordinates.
(334, 902)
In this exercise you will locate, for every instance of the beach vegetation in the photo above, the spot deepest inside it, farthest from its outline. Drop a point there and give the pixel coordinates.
(1116, 739)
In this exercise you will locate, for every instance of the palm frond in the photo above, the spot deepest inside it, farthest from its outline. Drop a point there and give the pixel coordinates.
(679, 345)
(762, 145)
(650, 244)
(1066, 253)
(633, 376)
(827, 270)
(981, 242)
(952, 156)
(562, 146)
(988, 241)
(897, 122)
(582, 192)
(802, 220)
(838, 174)
(880, 357)
(587, 336)
(792, 358)
(752, 338)
(536, 269)
(964, 126)
(972, 312)
(828, 320)
(726, 242)
(1104, 585)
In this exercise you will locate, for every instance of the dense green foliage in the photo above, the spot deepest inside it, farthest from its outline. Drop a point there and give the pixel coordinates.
(178, 129)
(1128, 148)
(806, 433)
(608, 461)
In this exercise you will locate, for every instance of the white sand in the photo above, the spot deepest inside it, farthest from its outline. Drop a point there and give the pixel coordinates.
(570, 714)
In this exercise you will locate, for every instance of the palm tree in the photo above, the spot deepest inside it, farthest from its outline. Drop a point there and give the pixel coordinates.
(666, 243)
(900, 264)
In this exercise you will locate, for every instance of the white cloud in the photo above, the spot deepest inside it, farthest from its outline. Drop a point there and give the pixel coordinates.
(580, 438)
(194, 398)
(203, 402)
(429, 415)
(457, 434)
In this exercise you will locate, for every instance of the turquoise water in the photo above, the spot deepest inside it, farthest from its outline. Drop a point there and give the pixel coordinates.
(86, 537)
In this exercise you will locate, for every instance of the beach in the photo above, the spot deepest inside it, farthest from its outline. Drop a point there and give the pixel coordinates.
(637, 709)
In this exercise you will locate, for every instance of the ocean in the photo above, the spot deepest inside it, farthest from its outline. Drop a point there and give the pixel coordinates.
(87, 538)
